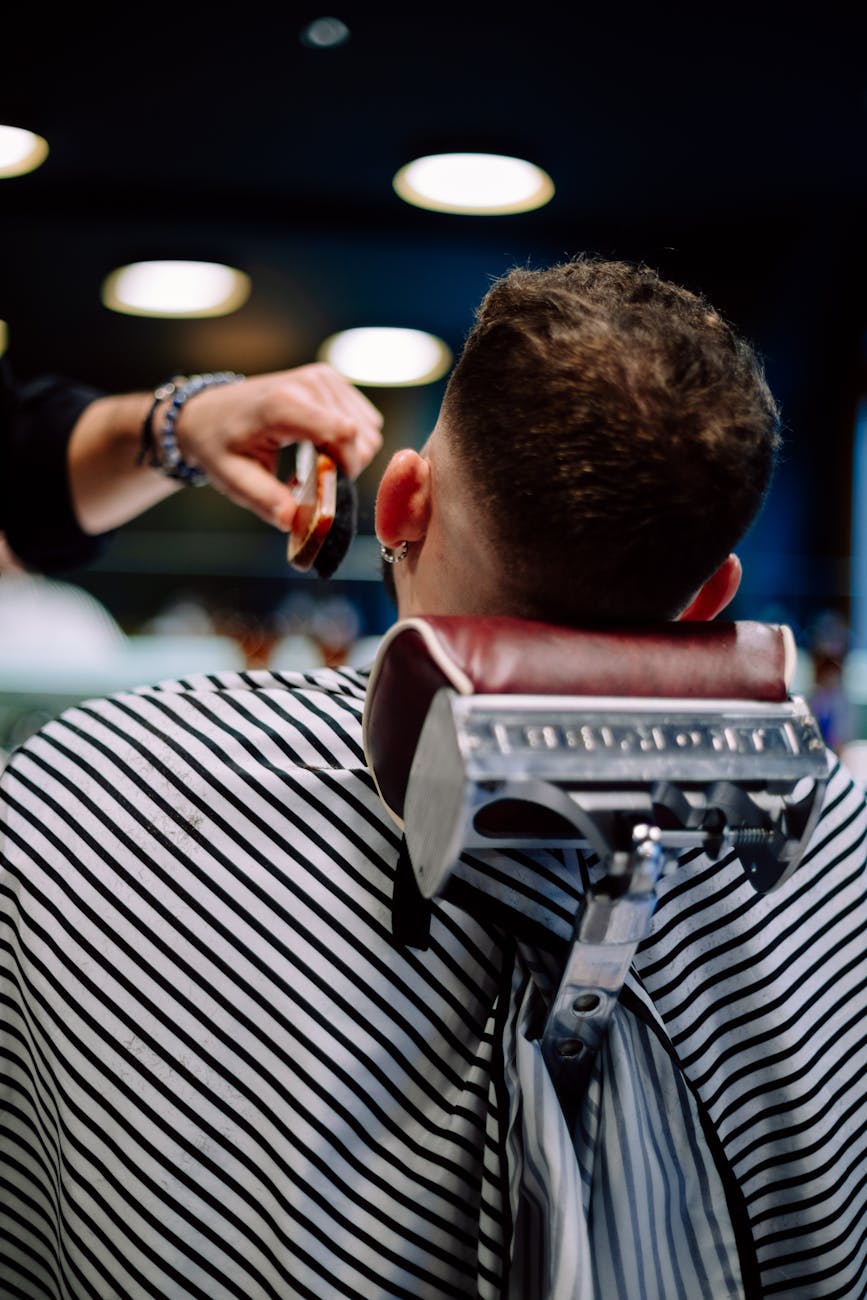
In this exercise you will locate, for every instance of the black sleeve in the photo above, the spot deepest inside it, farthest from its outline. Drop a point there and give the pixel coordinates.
(36, 419)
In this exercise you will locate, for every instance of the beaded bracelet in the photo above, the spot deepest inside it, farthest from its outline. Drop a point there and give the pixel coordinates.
(161, 450)
(148, 453)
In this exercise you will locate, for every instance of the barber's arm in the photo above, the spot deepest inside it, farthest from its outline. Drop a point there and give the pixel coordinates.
(232, 432)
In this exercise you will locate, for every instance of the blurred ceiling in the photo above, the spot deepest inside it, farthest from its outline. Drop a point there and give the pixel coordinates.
(704, 141)
(723, 145)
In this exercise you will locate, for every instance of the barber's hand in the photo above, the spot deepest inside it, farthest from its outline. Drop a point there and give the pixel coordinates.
(234, 432)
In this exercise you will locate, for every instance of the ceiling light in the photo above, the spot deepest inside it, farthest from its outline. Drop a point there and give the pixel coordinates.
(20, 151)
(383, 357)
(482, 184)
(176, 289)
(325, 33)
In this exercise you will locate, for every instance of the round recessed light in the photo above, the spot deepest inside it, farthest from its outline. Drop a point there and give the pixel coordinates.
(480, 184)
(20, 151)
(325, 33)
(385, 357)
(176, 289)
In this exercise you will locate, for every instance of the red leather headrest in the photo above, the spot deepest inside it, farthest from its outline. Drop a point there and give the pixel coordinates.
(493, 656)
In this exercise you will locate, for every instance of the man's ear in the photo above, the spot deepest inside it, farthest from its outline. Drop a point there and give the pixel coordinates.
(720, 588)
(403, 500)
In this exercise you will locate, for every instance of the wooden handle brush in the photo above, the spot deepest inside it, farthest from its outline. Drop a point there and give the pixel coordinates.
(326, 515)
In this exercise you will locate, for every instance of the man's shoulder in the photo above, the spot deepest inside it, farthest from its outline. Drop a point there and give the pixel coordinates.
(345, 684)
(256, 718)
(259, 694)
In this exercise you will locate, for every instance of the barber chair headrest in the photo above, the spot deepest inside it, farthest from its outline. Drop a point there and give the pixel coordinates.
(418, 657)
(640, 745)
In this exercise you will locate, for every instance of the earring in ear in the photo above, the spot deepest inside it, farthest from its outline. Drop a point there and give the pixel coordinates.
(394, 557)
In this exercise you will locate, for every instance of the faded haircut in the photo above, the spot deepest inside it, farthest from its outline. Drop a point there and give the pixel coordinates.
(617, 436)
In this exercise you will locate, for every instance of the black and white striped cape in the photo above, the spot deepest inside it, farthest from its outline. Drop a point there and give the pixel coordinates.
(220, 1076)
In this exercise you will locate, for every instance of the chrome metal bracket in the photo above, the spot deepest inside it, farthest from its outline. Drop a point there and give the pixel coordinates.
(635, 782)
(610, 924)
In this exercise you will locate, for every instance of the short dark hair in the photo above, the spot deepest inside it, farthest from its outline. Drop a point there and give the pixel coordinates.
(617, 435)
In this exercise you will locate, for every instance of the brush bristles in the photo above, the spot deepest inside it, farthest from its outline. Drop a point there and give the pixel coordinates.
(343, 529)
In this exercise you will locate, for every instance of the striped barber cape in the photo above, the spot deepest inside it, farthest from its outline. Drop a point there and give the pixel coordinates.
(222, 1076)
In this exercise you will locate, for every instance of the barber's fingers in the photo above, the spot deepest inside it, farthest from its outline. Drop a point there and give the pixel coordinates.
(352, 443)
(234, 433)
(250, 484)
(310, 403)
(314, 403)
(330, 386)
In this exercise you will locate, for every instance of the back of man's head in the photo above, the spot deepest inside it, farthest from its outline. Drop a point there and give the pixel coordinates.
(617, 438)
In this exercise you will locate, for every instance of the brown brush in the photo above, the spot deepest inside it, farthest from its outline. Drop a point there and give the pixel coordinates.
(325, 519)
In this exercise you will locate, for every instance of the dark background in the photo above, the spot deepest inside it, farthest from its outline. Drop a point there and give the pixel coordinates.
(725, 147)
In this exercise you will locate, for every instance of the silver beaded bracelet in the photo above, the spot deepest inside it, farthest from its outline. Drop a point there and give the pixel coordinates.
(161, 448)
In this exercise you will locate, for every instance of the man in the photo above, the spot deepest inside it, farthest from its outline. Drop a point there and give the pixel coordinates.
(225, 1075)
